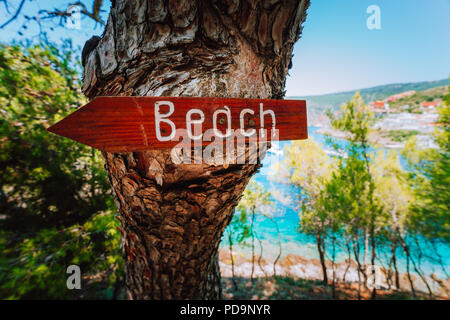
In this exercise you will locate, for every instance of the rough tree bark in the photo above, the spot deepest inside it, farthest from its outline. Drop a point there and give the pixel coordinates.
(172, 215)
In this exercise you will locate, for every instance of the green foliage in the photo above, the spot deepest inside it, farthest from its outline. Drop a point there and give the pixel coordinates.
(355, 119)
(392, 192)
(351, 188)
(239, 228)
(349, 194)
(414, 101)
(55, 202)
(35, 267)
(308, 169)
(255, 199)
(365, 202)
(430, 175)
(401, 135)
(46, 180)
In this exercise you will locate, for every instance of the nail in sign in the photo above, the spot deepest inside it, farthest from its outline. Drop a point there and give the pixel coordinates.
(125, 124)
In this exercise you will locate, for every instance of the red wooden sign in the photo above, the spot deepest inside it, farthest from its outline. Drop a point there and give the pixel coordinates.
(124, 124)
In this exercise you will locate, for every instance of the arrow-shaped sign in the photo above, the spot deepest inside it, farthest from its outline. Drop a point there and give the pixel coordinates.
(124, 124)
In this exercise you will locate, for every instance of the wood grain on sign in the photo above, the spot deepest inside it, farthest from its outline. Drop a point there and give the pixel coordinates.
(124, 124)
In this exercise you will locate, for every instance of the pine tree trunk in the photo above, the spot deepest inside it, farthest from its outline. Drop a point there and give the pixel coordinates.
(173, 216)
(253, 244)
(394, 261)
(321, 248)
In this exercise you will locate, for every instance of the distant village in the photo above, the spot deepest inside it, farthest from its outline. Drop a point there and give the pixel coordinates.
(381, 107)
(408, 120)
(399, 117)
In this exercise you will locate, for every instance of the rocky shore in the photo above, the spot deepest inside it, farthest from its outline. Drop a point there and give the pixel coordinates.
(300, 267)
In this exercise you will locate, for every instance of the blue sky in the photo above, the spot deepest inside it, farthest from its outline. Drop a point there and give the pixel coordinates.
(337, 51)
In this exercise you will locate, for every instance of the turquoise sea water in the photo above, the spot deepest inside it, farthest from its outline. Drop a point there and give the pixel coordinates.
(295, 242)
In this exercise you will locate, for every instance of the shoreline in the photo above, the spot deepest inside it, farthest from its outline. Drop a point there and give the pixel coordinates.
(374, 138)
(296, 266)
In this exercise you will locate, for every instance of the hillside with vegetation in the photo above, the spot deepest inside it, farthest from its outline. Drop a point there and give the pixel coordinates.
(397, 118)
(319, 104)
(412, 103)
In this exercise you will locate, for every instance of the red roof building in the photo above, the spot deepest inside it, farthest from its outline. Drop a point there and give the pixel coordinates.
(379, 104)
(430, 105)
(400, 95)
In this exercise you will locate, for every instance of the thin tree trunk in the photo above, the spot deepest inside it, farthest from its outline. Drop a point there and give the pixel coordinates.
(253, 244)
(373, 256)
(260, 255)
(233, 277)
(436, 257)
(364, 263)
(419, 270)
(279, 246)
(394, 262)
(365, 248)
(173, 216)
(349, 256)
(321, 249)
(421, 276)
(413, 291)
(358, 263)
(333, 261)
(406, 250)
